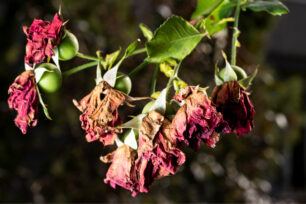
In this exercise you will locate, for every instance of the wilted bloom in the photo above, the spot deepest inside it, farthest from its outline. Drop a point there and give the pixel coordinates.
(42, 37)
(234, 103)
(197, 119)
(100, 113)
(122, 170)
(23, 98)
(158, 151)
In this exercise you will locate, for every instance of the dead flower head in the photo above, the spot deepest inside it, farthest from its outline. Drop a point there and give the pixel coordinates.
(197, 120)
(100, 113)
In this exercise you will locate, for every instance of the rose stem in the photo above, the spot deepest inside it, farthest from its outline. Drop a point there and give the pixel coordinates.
(81, 55)
(235, 33)
(139, 51)
(153, 86)
(138, 68)
(79, 68)
(176, 70)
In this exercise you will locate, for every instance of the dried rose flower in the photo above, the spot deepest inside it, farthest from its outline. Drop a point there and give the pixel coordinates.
(197, 119)
(122, 170)
(100, 113)
(147, 171)
(234, 103)
(23, 98)
(158, 151)
(42, 37)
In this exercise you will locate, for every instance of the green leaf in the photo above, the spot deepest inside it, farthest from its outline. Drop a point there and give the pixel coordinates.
(99, 74)
(205, 7)
(218, 79)
(239, 72)
(273, 7)
(218, 19)
(131, 138)
(166, 69)
(111, 58)
(147, 33)
(131, 48)
(160, 104)
(27, 67)
(46, 112)
(133, 123)
(118, 142)
(229, 73)
(246, 82)
(55, 58)
(175, 38)
(111, 75)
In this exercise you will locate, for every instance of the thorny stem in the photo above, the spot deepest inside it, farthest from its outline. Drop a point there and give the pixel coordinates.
(79, 68)
(153, 86)
(235, 33)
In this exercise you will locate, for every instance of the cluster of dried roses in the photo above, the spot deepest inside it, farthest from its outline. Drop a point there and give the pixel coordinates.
(159, 152)
(160, 141)
(43, 37)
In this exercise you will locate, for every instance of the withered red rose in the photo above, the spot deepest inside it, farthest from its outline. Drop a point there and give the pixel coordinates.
(42, 37)
(237, 109)
(122, 171)
(147, 171)
(197, 120)
(23, 98)
(100, 113)
(158, 151)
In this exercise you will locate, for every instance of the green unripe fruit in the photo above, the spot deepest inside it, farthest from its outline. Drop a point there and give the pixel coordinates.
(169, 109)
(123, 83)
(51, 80)
(68, 47)
(239, 72)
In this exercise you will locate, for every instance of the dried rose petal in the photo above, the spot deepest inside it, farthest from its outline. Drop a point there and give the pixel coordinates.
(100, 113)
(237, 109)
(42, 37)
(23, 98)
(197, 119)
(147, 171)
(122, 170)
(158, 151)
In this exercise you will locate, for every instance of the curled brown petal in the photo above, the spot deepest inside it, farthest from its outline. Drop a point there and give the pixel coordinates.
(100, 113)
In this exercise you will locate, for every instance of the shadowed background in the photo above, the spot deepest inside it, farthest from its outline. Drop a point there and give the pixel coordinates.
(54, 163)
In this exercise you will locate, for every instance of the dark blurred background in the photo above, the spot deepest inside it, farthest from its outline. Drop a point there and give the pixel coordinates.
(54, 163)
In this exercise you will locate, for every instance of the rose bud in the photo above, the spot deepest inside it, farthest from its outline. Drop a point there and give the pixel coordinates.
(100, 113)
(122, 170)
(197, 119)
(42, 37)
(234, 103)
(158, 150)
(23, 98)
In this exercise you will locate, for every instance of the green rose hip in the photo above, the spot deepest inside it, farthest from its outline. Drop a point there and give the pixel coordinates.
(68, 47)
(123, 83)
(51, 79)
